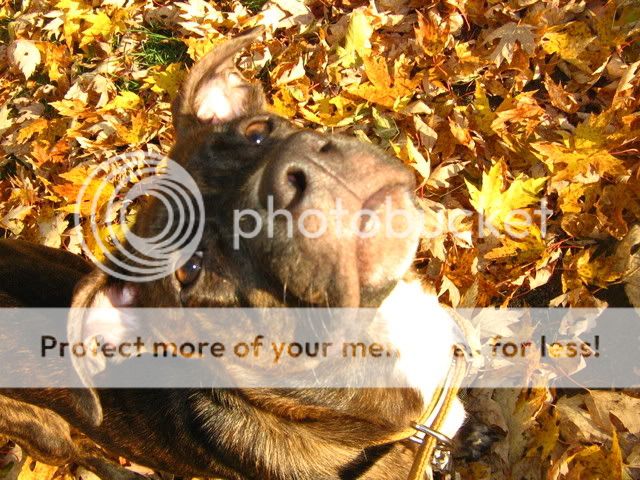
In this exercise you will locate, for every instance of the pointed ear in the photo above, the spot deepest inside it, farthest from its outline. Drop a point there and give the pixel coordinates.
(215, 91)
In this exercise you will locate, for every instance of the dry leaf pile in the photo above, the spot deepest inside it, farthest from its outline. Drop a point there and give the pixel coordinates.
(498, 105)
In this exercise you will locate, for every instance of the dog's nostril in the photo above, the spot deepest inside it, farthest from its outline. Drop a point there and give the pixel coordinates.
(297, 180)
(284, 185)
(327, 147)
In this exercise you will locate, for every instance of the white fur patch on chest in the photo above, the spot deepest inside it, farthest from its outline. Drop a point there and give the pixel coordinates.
(424, 333)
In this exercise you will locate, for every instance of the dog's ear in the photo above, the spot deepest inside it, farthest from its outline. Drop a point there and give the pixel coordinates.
(98, 290)
(95, 311)
(214, 91)
(98, 309)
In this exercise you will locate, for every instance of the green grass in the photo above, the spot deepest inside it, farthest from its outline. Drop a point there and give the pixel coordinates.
(254, 5)
(160, 49)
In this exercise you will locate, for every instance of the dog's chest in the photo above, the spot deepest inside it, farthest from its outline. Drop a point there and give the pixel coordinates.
(424, 333)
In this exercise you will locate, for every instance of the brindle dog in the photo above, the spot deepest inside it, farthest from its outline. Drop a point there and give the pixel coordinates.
(239, 154)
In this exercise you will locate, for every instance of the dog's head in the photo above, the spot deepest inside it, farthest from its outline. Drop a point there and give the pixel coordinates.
(293, 217)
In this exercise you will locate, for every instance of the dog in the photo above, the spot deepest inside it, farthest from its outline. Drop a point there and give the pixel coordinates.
(239, 154)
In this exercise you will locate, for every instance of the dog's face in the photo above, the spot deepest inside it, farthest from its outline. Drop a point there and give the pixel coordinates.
(293, 217)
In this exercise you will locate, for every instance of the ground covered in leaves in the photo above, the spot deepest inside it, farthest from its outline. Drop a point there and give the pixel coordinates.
(498, 105)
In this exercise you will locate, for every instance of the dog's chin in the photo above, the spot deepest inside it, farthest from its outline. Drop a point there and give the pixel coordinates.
(346, 287)
(364, 297)
(359, 279)
(374, 297)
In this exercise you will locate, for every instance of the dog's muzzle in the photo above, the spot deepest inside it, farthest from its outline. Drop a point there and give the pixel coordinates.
(352, 210)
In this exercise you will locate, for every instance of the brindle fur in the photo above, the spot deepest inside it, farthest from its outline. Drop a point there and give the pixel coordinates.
(235, 434)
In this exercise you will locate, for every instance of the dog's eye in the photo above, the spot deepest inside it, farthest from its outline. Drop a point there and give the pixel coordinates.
(257, 132)
(188, 273)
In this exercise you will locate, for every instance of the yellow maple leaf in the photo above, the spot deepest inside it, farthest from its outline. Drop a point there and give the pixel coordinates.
(583, 156)
(559, 97)
(613, 23)
(37, 126)
(108, 235)
(377, 71)
(141, 129)
(51, 226)
(125, 100)
(13, 220)
(283, 103)
(70, 107)
(358, 38)
(500, 203)
(625, 87)
(336, 111)
(593, 462)
(97, 190)
(591, 133)
(133, 135)
(198, 47)
(101, 28)
(597, 271)
(287, 73)
(55, 59)
(584, 164)
(166, 80)
(521, 112)
(569, 41)
(483, 114)
(571, 198)
(74, 12)
(546, 436)
(383, 89)
(432, 36)
(518, 250)
(458, 124)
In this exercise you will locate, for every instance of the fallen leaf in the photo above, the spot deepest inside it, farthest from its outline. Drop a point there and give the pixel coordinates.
(24, 55)
(510, 35)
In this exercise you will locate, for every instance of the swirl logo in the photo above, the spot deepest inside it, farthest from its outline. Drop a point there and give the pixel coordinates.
(106, 196)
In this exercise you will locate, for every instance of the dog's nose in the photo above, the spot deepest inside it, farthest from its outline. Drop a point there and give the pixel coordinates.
(314, 171)
(293, 176)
